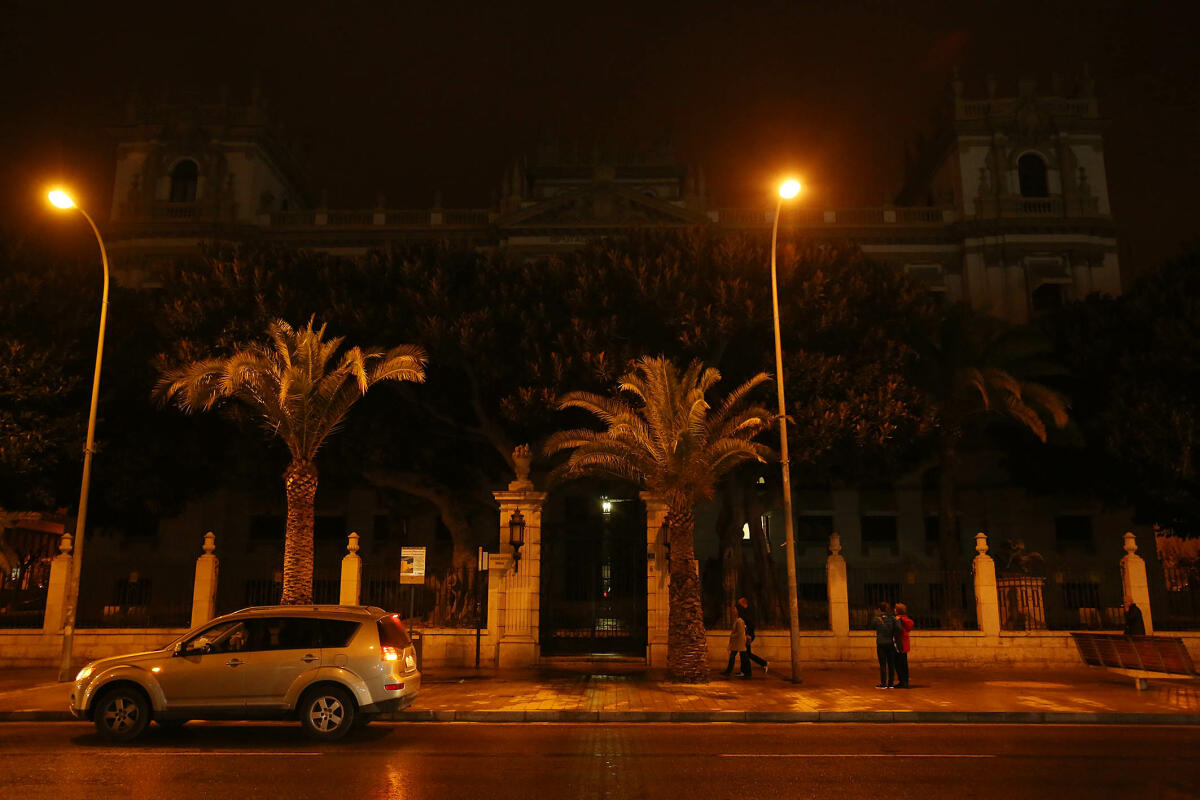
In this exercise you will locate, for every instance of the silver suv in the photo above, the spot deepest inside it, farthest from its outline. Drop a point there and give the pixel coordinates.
(334, 667)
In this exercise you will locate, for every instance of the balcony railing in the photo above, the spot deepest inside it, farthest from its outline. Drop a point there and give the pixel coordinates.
(847, 217)
(1031, 206)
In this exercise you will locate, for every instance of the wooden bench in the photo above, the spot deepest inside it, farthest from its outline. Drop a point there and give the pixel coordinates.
(1139, 657)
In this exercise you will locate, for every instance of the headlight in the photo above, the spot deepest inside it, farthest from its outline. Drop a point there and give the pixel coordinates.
(84, 673)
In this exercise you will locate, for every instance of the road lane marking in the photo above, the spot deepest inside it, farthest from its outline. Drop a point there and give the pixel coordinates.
(854, 755)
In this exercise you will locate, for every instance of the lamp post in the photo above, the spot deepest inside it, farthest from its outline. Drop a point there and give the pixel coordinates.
(787, 191)
(61, 199)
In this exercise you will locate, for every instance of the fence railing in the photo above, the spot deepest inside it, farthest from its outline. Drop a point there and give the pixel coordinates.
(159, 598)
(1177, 601)
(446, 598)
(936, 599)
(22, 608)
(1084, 601)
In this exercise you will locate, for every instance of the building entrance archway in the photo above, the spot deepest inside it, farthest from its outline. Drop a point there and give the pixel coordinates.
(593, 571)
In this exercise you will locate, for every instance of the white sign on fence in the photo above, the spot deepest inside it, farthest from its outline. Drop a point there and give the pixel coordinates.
(412, 565)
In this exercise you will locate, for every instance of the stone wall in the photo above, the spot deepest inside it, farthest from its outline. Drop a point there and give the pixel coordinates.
(20, 648)
(932, 648)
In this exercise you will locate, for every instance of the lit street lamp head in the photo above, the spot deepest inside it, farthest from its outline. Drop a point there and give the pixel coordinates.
(61, 199)
(789, 189)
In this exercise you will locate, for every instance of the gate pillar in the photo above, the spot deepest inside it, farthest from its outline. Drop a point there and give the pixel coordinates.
(658, 576)
(514, 582)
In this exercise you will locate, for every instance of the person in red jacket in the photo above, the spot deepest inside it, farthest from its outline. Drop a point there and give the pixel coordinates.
(903, 645)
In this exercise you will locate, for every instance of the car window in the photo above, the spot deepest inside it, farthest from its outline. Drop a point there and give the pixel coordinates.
(283, 633)
(227, 637)
(337, 632)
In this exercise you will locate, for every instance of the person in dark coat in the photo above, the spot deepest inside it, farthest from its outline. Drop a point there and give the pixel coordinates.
(747, 614)
(1134, 624)
(905, 625)
(886, 634)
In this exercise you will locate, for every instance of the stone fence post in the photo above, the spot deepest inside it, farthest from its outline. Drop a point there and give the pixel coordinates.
(1134, 585)
(351, 588)
(204, 587)
(836, 585)
(987, 598)
(56, 592)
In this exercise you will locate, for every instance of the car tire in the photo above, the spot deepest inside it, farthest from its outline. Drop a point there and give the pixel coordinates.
(327, 712)
(121, 714)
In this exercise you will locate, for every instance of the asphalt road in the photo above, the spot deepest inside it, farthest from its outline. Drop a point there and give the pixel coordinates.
(544, 761)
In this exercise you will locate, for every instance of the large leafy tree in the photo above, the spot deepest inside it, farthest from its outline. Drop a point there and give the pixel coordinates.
(658, 432)
(978, 369)
(301, 395)
(1134, 362)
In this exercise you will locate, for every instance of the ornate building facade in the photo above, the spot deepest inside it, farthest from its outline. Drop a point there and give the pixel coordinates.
(1005, 207)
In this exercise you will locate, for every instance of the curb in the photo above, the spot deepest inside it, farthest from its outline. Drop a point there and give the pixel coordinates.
(937, 717)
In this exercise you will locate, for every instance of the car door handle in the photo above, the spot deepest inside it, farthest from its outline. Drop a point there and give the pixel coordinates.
(309, 658)
(234, 662)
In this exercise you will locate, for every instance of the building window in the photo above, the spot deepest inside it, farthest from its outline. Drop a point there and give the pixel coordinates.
(184, 178)
(1074, 533)
(813, 530)
(933, 535)
(1031, 174)
(879, 532)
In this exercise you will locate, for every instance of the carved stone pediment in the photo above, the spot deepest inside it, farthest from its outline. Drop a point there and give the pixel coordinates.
(600, 206)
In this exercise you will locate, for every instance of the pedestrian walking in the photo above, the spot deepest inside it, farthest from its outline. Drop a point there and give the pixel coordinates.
(737, 648)
(1134, 624)
(885, 627)
(903, 644)
(743, 607)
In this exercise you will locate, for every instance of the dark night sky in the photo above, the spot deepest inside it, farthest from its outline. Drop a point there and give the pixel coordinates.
(406, 99)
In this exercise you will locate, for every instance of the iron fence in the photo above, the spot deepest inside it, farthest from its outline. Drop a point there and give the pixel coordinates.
(22, 607)
(446, 599)
(936, 599)
(159, 596)
(1175, 597)
(1083, 600)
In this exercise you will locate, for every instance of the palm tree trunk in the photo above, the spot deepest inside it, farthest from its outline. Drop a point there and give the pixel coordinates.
(687, 645)
(300, 482)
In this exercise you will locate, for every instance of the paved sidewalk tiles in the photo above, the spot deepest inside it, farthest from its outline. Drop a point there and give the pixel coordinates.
(1074, 696)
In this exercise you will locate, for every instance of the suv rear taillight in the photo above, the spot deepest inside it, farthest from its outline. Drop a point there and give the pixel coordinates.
(389, 653)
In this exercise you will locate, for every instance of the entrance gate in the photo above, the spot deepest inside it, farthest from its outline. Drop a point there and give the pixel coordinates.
(593, 586)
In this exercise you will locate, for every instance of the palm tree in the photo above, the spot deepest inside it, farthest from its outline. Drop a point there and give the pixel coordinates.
(658, 432)
(977, 366)
(302, 398)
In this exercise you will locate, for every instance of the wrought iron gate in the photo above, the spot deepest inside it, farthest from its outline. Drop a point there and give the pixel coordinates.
(593, 587)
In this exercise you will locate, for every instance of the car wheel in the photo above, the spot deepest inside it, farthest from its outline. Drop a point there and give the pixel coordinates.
(122, 714)
(327, 712)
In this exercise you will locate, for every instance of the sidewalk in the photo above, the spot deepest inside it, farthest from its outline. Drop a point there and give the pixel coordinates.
(1081, 695)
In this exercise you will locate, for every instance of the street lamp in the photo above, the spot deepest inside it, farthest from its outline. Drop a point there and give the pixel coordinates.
(516, 536)
(61, 199)
(787, 191)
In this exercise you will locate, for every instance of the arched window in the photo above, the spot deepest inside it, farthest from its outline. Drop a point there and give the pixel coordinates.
(1031, 173)
(184, 178)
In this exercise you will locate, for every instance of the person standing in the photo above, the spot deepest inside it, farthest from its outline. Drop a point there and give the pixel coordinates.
(743, 609)
(737, 647)
(885, 627)
(903, 644)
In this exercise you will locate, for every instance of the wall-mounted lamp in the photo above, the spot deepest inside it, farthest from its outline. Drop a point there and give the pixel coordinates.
(606, 505)
(516, 536)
